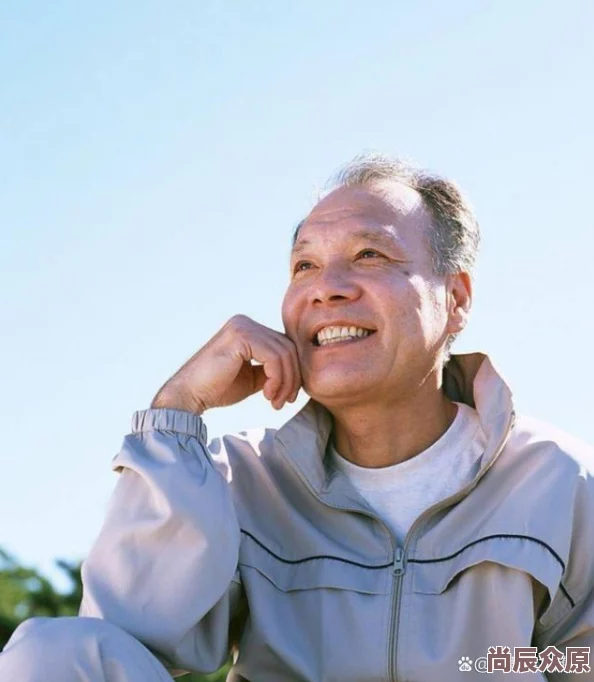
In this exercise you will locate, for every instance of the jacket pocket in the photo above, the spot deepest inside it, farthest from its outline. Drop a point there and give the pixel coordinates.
(313, 571)
(313, 616)
(489, 592)
(529, 555)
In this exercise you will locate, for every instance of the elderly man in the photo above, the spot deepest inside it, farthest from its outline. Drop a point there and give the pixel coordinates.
(405, 525)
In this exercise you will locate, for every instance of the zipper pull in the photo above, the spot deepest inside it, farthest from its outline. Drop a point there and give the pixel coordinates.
(398, 567)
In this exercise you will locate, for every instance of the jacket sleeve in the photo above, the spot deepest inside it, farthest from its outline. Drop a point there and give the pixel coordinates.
(164, 567)
(571, 614)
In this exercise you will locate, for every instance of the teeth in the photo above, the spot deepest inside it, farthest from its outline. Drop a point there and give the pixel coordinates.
(336, 334)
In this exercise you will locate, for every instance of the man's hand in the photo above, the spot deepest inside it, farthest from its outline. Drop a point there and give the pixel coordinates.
(221, 372)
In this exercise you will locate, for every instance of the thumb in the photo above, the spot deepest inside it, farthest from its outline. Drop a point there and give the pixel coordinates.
(259, 378)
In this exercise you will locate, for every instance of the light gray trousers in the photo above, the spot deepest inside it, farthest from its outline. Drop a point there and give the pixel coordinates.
(77, 650)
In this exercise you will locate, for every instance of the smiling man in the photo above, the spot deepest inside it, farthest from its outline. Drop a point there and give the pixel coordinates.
(405, 525)
(362, 264)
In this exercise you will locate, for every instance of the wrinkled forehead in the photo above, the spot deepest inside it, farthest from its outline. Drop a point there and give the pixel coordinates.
(387, 206)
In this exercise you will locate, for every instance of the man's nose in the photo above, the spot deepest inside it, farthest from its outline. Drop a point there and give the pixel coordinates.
(334, 284)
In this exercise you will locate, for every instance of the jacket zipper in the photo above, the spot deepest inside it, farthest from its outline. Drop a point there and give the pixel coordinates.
(397, 573)
(399, 563)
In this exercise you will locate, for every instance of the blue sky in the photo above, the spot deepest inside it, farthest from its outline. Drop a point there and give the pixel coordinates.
(154, 158)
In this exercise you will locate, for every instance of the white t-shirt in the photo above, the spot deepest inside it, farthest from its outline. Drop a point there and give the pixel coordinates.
(401, 492)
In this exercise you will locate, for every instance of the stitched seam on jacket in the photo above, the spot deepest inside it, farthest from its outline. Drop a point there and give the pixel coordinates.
(506, 536)
(566, 593)
(543, 630)
(313, 558)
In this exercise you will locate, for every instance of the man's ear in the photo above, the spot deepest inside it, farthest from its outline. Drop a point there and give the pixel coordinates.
(459, 298)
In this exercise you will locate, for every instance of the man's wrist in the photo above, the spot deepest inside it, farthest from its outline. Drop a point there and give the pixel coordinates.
(177, 400)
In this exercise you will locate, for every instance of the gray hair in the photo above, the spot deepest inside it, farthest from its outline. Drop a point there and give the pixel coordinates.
(455, 236)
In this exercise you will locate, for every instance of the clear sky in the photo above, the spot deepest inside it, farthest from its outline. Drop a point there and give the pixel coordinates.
(155, 156)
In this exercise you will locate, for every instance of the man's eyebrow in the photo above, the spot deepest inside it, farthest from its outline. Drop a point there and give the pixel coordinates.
(374, 237)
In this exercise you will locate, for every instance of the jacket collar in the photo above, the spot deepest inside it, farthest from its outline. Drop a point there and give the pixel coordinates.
(469, 378)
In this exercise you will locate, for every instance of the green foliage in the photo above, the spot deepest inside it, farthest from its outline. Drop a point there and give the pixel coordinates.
(219, 676)
(25, 593)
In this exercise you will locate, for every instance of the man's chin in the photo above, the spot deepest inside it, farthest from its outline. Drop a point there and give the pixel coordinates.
(337, 391)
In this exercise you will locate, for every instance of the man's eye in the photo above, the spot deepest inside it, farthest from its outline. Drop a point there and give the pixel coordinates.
(301, 266)
(367, 253)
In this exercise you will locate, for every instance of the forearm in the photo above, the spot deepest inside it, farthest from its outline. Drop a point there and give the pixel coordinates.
(167, 552)
(175, 396)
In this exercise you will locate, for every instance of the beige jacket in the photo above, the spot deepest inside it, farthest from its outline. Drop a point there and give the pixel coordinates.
(256, 542)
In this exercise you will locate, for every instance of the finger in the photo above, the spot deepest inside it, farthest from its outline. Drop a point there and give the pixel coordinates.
(294, 383)
(296, 374)
(287, 387)
(272, 367)
(259, 378)
(297, 370)
(282, 370)
(260, 348)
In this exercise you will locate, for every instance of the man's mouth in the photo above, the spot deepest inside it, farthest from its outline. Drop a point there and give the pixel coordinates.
(335, 334)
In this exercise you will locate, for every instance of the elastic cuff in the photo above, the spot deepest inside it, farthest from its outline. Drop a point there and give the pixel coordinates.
(165, 419)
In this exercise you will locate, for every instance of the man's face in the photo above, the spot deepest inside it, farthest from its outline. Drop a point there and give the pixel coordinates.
(362, 260)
